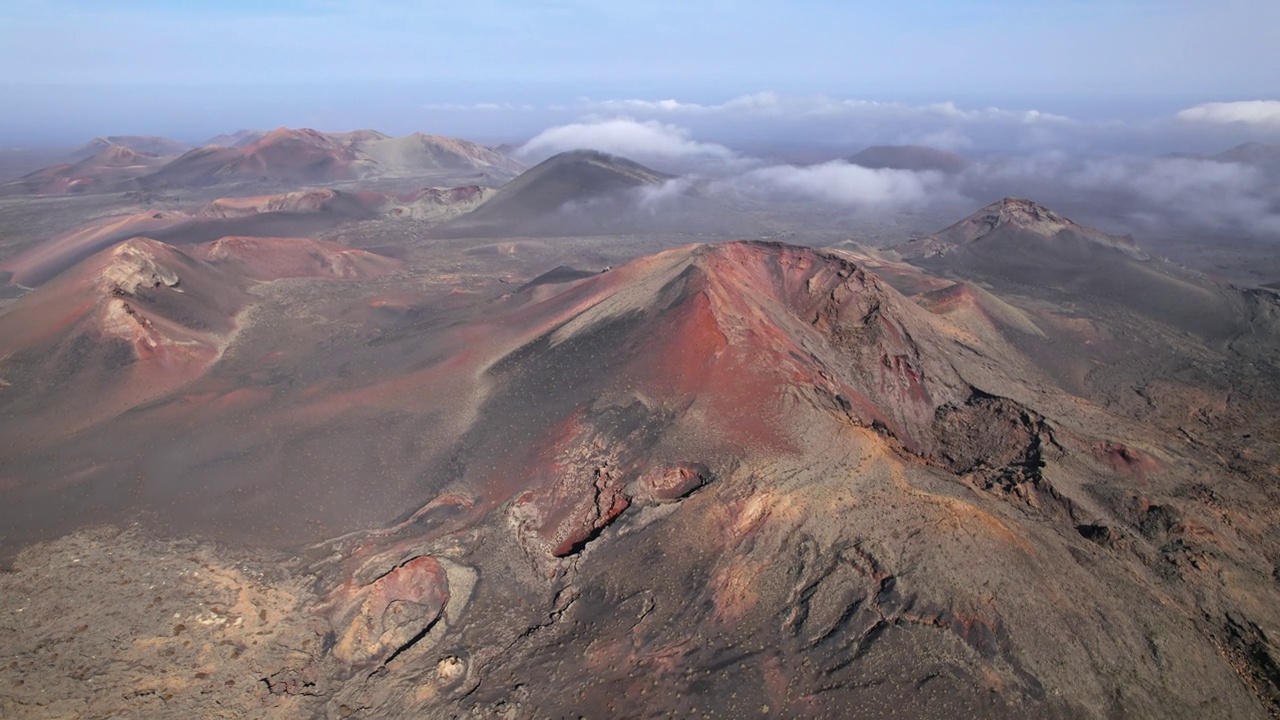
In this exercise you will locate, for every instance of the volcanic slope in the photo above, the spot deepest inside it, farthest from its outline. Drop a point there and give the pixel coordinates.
(533, 202)
(235, 139)
(293, 213)
(838, 512)
(125, 326)
(733, 479)
(1021, 247)
(413, 154)
(114, 166)
(1260, 156)
(134, 322)
(748, 476)
(307, 156)
(284, 156)
(147, 144)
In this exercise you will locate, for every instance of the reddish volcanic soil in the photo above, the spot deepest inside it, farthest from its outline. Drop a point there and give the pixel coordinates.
(744, 479)
(113, 166)
(143, 317)
(50, 258)
(304, 156)
(137, 321)
(259, 216)
(275, 258)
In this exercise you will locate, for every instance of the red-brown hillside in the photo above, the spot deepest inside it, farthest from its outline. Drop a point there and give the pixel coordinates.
(284, 156)
(302, 156)
(273, 258)
(121, 328)
(142, 318)
(723, 478)
(722, 343)
(721, 448)
(111, 168)
(292, 213)
(742, 323)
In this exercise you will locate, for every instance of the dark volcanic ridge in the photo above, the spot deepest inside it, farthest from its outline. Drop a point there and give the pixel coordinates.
(535, 199)
(1023, 247)
(909, 157)
(1262, 157)
(308, 156)
(1022, 226)
(111, 167)
(586, 192)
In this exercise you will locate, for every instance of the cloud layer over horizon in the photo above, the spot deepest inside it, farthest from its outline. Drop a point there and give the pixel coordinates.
(1143, 194)
(819, 121)
(1261, 113)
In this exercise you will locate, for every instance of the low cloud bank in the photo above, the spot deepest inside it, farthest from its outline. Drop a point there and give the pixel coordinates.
(1184, 196)
(670, 148)
(643, 141)
(1262, 113)
(842, 183)
(1176, 196)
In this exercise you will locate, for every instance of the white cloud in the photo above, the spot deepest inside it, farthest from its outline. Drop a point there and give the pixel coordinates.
(1250, 112)
(477, 107)
(1151, 196)
(842, 183)
(651, 197)
(1168, 180)
(837, 182)
(846, 123)
(757, 102)
(817, 106)
(623, 136)
(1189, 192)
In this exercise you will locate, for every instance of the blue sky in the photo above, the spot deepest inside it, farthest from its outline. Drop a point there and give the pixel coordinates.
(81, 67)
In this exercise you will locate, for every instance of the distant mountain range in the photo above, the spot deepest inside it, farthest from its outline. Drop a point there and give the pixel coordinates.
(1258, 155)
(146, 144)
(293, 213)
(285, 155)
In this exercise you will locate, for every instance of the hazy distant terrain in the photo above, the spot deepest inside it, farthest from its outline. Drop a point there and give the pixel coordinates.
(289, 156)
(350, 425)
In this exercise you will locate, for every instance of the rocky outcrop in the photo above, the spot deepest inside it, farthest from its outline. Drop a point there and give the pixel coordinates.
(135, 265)
(581, 486)
(669, 483)
(378, 620)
